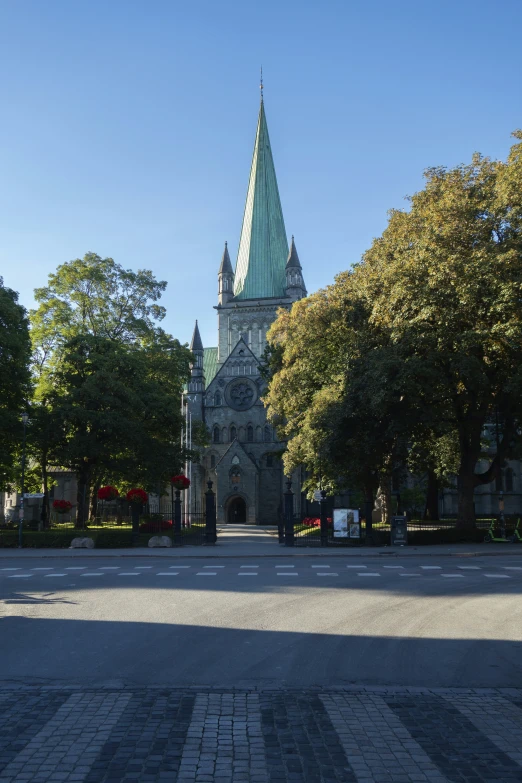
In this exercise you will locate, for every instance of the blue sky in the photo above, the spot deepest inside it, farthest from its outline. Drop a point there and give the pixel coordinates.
(127, 127)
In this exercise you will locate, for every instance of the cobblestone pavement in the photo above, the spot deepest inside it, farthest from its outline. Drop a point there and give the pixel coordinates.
(277, 736)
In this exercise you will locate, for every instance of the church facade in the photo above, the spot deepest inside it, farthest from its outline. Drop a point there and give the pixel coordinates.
(225, 390)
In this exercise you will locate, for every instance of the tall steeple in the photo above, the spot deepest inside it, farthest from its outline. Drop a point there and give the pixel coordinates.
(196, 383)
(263, 247)
(225, 278)
(295, 287)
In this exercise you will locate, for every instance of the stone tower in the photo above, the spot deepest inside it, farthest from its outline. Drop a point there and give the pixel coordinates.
(225, 389)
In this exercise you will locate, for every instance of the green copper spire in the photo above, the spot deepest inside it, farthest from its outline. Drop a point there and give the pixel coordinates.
(263, 248)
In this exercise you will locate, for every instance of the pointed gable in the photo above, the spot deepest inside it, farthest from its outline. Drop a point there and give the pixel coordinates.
(293, 258)
(263, 247)
(226, 267)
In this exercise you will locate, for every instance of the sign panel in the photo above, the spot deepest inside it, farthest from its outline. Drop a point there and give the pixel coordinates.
(317, 495)
(340, 522)
(346, 523)
(33, 494)
(399, 531)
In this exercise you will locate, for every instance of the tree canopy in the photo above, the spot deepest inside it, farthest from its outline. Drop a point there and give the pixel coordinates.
(15, 387)
(420, 342)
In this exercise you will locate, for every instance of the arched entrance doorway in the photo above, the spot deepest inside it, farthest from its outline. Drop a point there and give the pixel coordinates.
(236, 511)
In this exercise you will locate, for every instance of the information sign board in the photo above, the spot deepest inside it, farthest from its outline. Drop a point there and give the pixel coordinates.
(346, 523)
(33, 494)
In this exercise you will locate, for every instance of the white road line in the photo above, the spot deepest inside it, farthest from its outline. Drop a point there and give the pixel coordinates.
(321, 566)
(248, 573)
(357, 566)
(393, 566)
(41, 569)
(290, 573)
(498, 576)
(179, 566)
(141, 568)
(252, 566)
(109, 568)
(167, 573)
(368, 573)
(469, 568)
(206, 573)
(284, 566)
(452, 576)
(128, 573)
(213, 566)
(512, 568)
(10, 569)
(47, 576)
(20, 576)
(431, 568)
(87, 574)
(332, 573)
(76, 568)
(410, 574)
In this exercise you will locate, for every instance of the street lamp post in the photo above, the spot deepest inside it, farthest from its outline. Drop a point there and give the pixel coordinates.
(25, 419)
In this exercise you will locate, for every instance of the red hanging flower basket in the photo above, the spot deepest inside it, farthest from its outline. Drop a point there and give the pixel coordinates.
(108, 493)
(180, 482)
(137, 496)
(62, 506)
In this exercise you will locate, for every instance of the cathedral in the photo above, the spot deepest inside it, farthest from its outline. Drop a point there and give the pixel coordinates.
(244, 457)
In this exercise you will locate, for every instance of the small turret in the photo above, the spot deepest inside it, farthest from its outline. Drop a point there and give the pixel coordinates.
(225, 278)
(196, 383)
(295, 287)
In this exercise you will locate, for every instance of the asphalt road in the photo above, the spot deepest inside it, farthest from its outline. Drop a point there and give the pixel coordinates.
(437, 622)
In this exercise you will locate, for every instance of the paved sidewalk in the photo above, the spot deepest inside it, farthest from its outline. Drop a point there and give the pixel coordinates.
(355, 735)
(251, 541)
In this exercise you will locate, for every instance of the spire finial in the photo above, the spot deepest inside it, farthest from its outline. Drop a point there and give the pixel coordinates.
(261, 84)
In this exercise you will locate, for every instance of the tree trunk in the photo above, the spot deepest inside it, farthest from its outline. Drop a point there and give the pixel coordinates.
(82, 497)
(432, 497)
(466, 483)
(94, 500)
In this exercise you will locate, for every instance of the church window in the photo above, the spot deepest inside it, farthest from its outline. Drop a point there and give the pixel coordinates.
(250, 434)
(259, 434)
(224, 434)
(217, 398)
(212, 461)
(242, 434)
(269, 461)
(233, 433)
(267, 434)
(215, 434)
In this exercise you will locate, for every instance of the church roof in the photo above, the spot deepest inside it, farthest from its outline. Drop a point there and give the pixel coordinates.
(226, 266)
(263, 247)
(293, 258)
(210, 356)
(196, 344)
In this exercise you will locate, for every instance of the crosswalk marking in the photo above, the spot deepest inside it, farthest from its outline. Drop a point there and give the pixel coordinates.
(40, 568)
(332, 573)
(19, 576)
(368, 573)
(112, 568)
(249, 566)
(410, 574)
(248, 573)
(393, 566)
(289, 573)
(512, 568)
(469, 568)
(141, 568)
(431, 568)
(206, 573)
(320, 566)
(452, 576)
(284, 566)
(50, 575)
(128, 573)
(167, 573)
(76, 568)
(498, 576)
(356, 566)
(10, 569)
(214, 566)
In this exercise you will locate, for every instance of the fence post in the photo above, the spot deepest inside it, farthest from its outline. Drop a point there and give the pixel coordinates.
(324, 519)
(289, 514)
(210, 515)
(281, 528)
(177, 516)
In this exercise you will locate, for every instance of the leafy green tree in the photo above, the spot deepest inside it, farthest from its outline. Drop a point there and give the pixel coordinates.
(444, 282)
(407, 358)
(15, 386)
(114, 413)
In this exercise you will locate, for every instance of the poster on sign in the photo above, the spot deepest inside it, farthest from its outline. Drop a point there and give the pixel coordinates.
(354, 525)
(340, 522)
